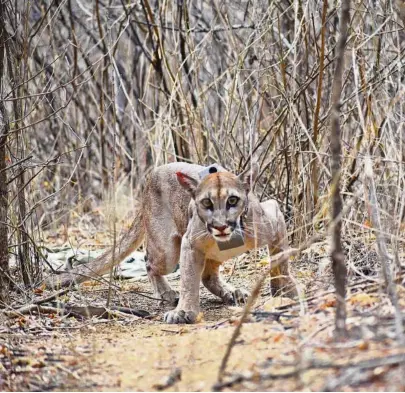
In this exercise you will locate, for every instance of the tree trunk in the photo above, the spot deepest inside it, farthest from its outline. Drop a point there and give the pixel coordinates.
(3, 174)
(338, 259)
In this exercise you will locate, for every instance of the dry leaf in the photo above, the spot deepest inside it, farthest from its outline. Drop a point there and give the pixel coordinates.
(329, 301)
(263, 262)
(40, 290)
(200, 317)
(363, 299)
(363, 345)
(278, 337)
(274, 302)
(90, 283)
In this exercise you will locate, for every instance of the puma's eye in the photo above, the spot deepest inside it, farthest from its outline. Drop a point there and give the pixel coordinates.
(207, 203)
(232, 201)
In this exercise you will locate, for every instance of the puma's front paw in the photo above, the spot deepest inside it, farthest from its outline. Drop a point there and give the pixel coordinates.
(180, 316)
(235, 297)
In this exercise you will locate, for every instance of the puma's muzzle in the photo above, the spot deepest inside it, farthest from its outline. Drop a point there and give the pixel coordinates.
(220, 232)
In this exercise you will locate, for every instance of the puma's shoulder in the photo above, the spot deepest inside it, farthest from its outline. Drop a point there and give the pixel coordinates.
(272, 209)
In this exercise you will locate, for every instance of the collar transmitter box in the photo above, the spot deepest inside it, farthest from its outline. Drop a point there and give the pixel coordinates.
(235, 241)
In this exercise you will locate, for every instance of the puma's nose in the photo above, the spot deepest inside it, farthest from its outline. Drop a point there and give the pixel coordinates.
(220, 228)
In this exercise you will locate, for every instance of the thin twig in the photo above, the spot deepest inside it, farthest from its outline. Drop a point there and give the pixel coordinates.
(84, 311)
(382, 247)
(362, 365)
(277, 260)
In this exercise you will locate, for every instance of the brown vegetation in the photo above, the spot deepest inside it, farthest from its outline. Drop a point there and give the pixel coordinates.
(95, 94)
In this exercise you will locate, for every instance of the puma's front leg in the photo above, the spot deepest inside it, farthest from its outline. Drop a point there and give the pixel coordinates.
(191, 267)
(214, 283)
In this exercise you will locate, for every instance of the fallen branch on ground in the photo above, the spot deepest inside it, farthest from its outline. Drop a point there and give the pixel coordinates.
(82, 311)
(53, 296)
(361, 365)
(74, 286)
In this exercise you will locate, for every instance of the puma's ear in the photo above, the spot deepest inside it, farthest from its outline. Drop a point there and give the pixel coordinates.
(187, 182)
(248, 176)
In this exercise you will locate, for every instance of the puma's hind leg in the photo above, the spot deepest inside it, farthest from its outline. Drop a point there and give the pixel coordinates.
(216, 285)
(282, 284)
(162, 289)
(159, 263)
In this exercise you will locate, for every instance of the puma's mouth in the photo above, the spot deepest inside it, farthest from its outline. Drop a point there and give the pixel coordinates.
(220, 233)
(222, 237)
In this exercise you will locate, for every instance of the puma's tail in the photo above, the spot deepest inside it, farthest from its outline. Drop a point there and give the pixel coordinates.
(131, 240)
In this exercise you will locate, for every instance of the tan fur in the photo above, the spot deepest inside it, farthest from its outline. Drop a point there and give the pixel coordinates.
(174, 224)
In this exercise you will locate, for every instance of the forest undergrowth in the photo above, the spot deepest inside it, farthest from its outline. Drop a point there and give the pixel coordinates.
(94, 95)
(284, 344)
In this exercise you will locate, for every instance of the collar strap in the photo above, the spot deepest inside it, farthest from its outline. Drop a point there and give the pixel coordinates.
(243, 216)
(246, 206)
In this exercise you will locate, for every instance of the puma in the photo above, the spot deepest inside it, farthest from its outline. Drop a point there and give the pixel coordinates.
(187, 219)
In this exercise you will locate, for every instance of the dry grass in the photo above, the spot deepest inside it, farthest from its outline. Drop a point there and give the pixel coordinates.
(98, 93)
(279, 348)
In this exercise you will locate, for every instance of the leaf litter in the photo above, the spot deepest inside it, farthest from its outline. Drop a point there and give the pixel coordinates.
(284, 345)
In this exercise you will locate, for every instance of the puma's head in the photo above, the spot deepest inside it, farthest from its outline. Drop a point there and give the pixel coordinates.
(220, 199)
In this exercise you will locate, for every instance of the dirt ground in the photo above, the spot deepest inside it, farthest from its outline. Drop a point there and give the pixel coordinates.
(284, 346)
